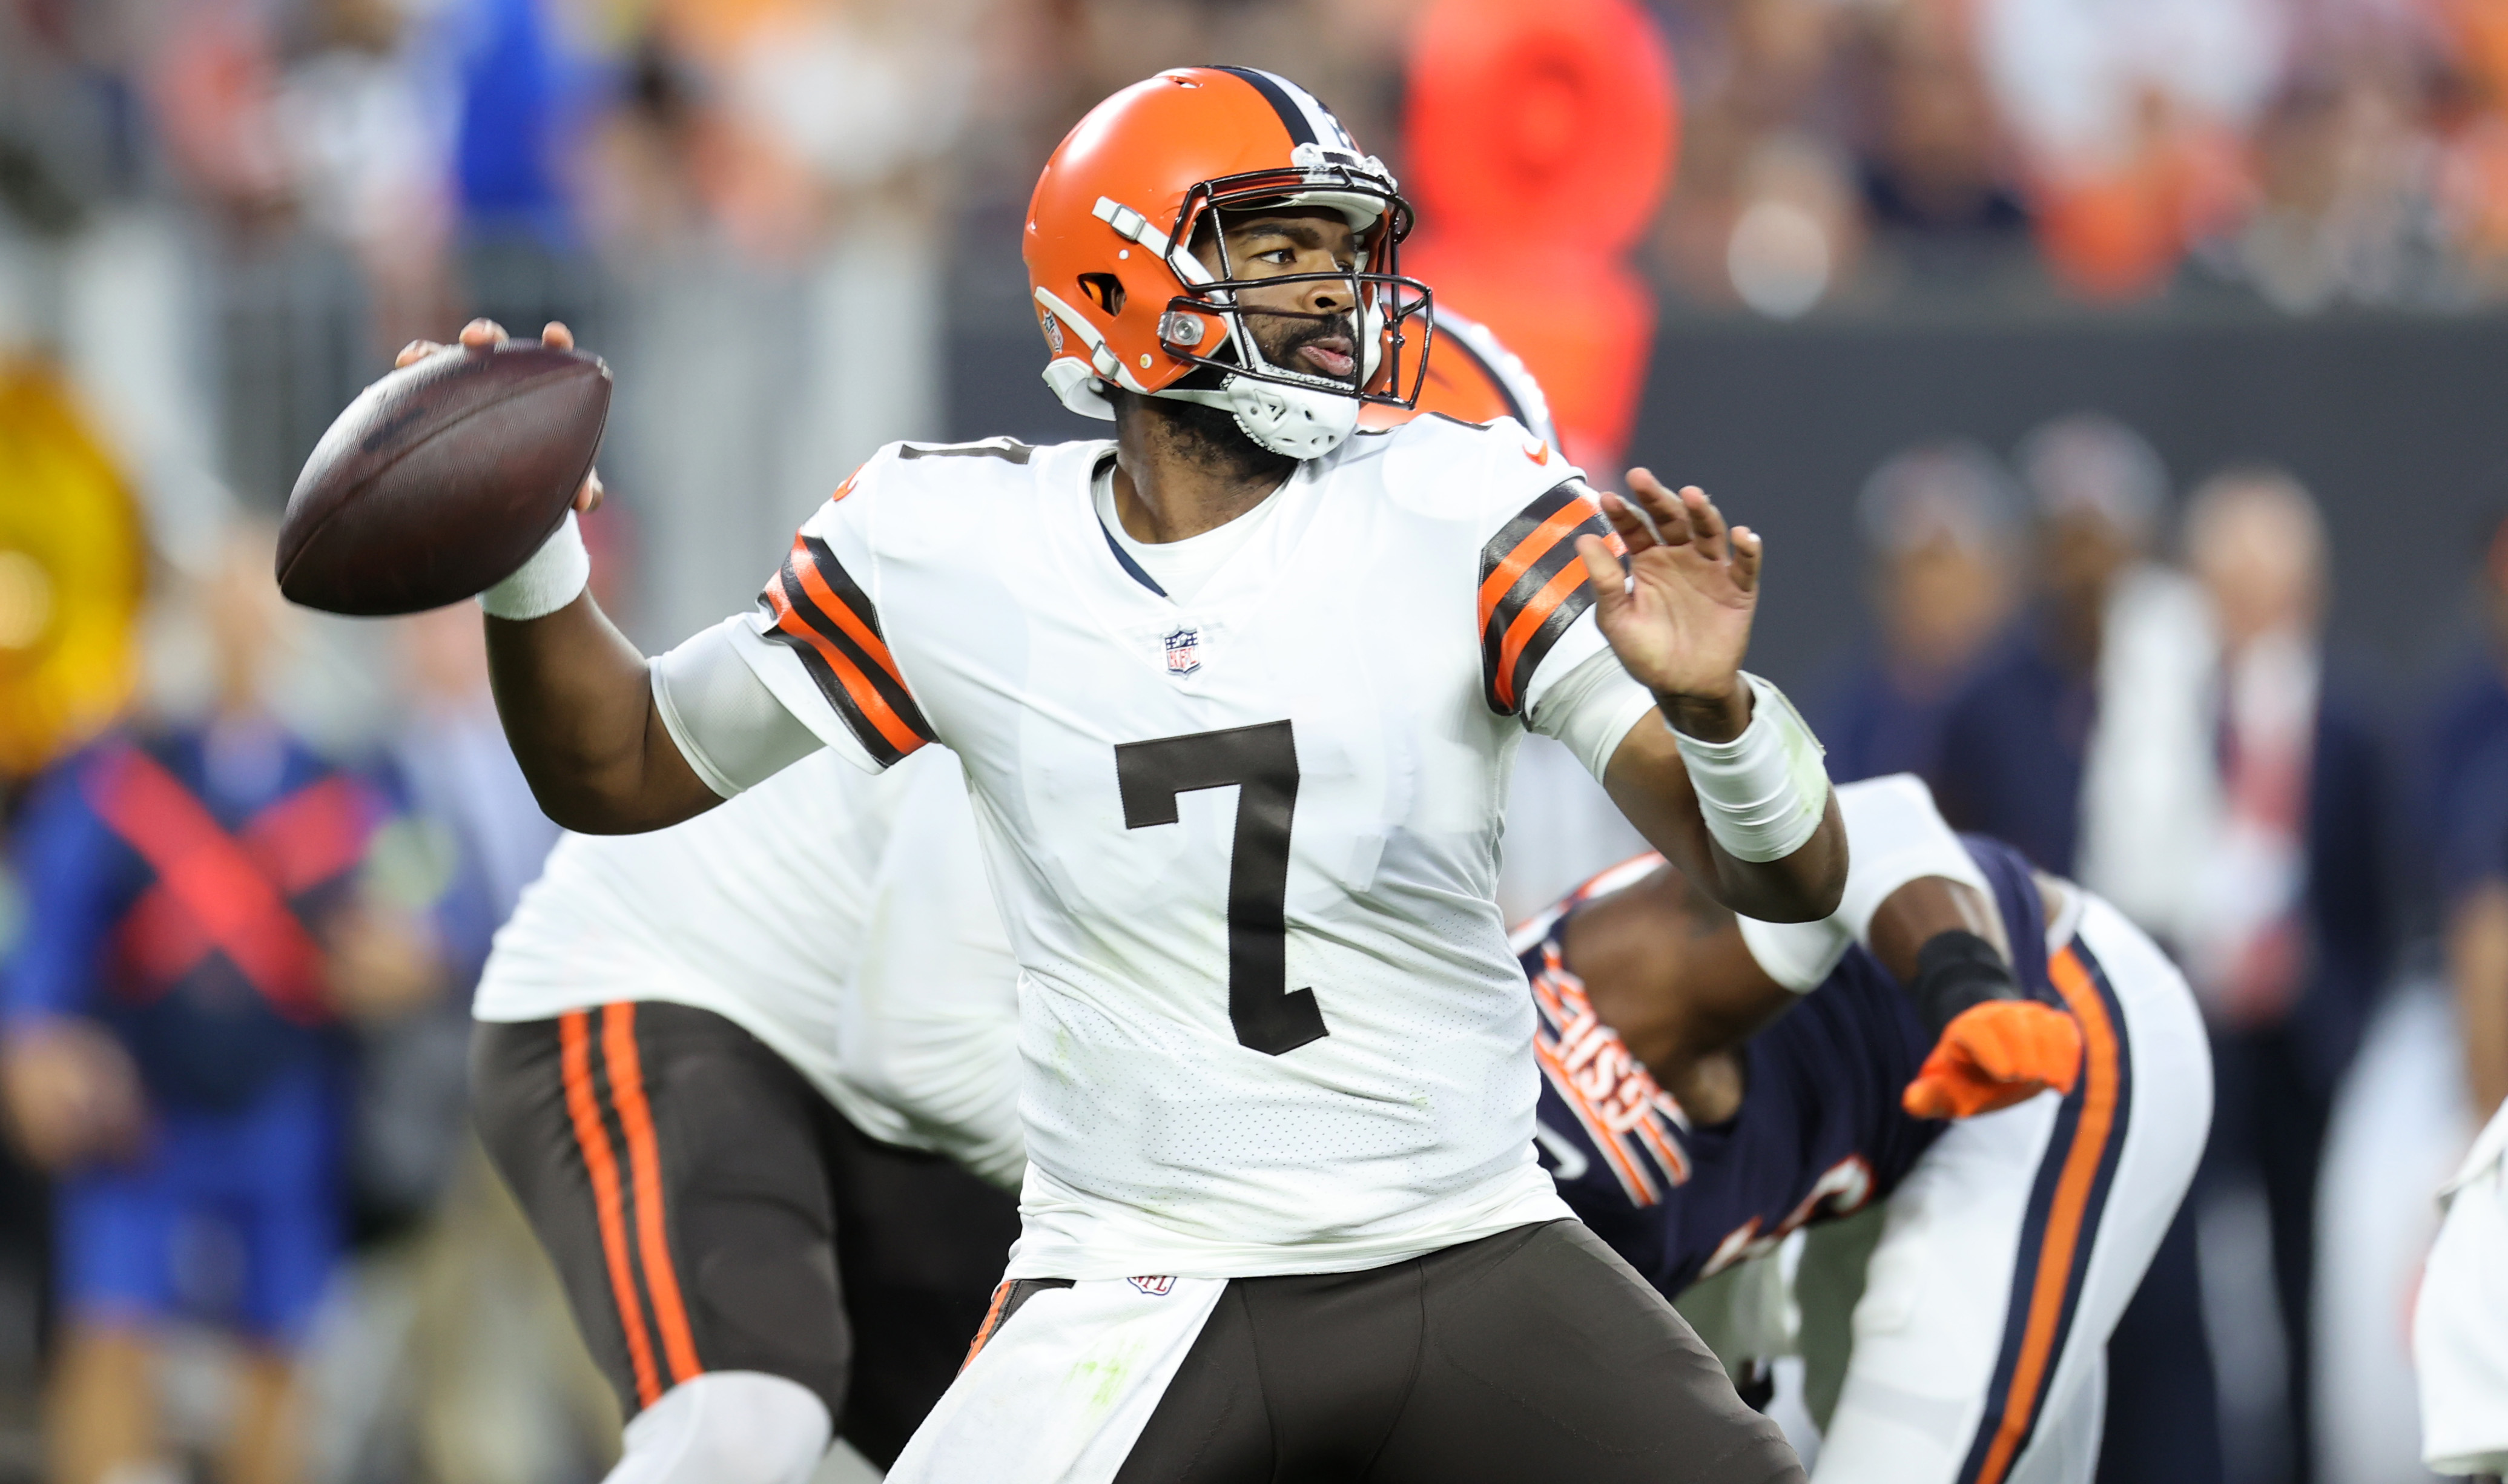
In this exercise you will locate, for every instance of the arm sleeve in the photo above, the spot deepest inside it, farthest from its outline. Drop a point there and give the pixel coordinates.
(62, 856)
(1589, 705)
(735, 732)
(817, 641)
(1894, 835)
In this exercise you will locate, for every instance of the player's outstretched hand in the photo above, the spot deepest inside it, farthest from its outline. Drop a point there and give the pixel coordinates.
(1678, 612)
(1994, 1054)
(482, 334)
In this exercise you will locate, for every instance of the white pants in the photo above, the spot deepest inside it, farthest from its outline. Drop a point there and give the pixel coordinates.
(2011, 1251)
(2461, 1320)
(1061, 1397)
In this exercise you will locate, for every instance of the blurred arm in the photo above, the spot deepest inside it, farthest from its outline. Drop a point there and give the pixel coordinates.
(67, 1086)
(2477, 964)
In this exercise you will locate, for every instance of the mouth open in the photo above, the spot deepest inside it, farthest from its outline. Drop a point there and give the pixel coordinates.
(1333, 357)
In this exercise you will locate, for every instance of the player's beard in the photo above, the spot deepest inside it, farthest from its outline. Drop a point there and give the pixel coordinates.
(1211, 437)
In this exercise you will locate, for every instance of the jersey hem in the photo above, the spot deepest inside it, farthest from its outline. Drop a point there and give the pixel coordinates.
(1082, 1260)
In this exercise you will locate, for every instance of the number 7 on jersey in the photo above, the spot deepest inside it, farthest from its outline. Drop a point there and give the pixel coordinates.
(1261, 762)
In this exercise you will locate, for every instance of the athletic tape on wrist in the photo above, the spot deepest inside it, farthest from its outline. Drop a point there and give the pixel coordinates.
(555, 576)
(1764, 791)
(1957, 971)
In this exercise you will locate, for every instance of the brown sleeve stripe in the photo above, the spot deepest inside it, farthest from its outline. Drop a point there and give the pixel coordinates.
(1533, 587)
(832, 625)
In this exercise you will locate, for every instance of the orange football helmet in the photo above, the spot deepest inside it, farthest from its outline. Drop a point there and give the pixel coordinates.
(1124, 301)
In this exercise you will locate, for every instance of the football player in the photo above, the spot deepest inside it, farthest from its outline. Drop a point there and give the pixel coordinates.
(1235, 693)
(814, 985)
(2064, 1044)
(731, 1070)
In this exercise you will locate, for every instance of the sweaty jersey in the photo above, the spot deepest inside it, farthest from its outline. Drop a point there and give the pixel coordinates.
(1245, 844)
(1820, 1131)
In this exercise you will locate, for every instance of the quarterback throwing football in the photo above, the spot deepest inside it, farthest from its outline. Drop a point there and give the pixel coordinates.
(1236, 694)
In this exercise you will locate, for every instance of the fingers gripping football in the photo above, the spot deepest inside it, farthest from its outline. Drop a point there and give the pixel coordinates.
(1993, 1055)
(1679, 613)
(483, 333)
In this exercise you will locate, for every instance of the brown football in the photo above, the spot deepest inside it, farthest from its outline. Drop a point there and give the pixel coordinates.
(442, 478)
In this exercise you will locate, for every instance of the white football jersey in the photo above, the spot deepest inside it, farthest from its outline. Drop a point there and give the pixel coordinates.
(1246, 845)
(841, 919)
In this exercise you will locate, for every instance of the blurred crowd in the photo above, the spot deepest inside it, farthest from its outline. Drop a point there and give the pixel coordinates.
(2314, 152)
(2141, 694)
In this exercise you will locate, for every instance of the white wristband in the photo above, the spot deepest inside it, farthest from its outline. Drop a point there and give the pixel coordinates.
(555, 576)
(1764, 791)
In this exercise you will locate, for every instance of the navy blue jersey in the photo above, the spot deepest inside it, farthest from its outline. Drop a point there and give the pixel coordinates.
(1819, 1132)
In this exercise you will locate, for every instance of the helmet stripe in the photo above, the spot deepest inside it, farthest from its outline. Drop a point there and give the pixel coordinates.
(1275, 91)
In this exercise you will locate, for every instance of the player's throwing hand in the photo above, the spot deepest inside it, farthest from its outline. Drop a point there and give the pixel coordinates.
(1678, 612)
(483, 334)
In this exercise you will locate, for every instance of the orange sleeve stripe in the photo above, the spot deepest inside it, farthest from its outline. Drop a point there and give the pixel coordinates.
(815, 583)
(2064, 1217)
(1529, 622)
(1532, 548)
(645, 1163)
(873, 706)
(574, 1056)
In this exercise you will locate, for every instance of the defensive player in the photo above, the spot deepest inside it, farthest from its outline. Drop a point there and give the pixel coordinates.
(2015, 1236)
(1288, 1081)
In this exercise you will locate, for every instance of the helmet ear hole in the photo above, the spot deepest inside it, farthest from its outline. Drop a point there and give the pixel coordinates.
(1104, 289)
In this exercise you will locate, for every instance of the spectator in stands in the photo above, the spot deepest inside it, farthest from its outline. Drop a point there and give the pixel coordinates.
(2081, 739)
(1935, 162)
(2286, 946)
(1938, 520)
(198, 927)
(2016, 737)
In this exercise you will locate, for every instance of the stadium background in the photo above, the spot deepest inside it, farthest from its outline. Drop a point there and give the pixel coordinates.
(2251, 230)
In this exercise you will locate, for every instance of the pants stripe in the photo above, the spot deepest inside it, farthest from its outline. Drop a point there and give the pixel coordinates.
(601, 1165)
(2065, 1204)
(992, 1321)
(645, 1164)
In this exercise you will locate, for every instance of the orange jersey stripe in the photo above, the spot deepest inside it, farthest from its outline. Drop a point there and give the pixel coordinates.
(2064, 1217)
(857, 684)
(645, 1162)
(575, 1041)
(1535, 614)
(1532, 548)
(806, 565)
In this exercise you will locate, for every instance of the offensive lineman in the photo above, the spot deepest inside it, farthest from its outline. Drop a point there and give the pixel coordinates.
(1293, 1072)
(766, 1040)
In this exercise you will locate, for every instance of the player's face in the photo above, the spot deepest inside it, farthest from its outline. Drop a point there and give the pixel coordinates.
(1303, 326)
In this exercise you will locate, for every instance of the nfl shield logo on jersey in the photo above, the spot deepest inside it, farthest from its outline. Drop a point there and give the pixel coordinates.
(1157, 1286)
(1184, 651)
